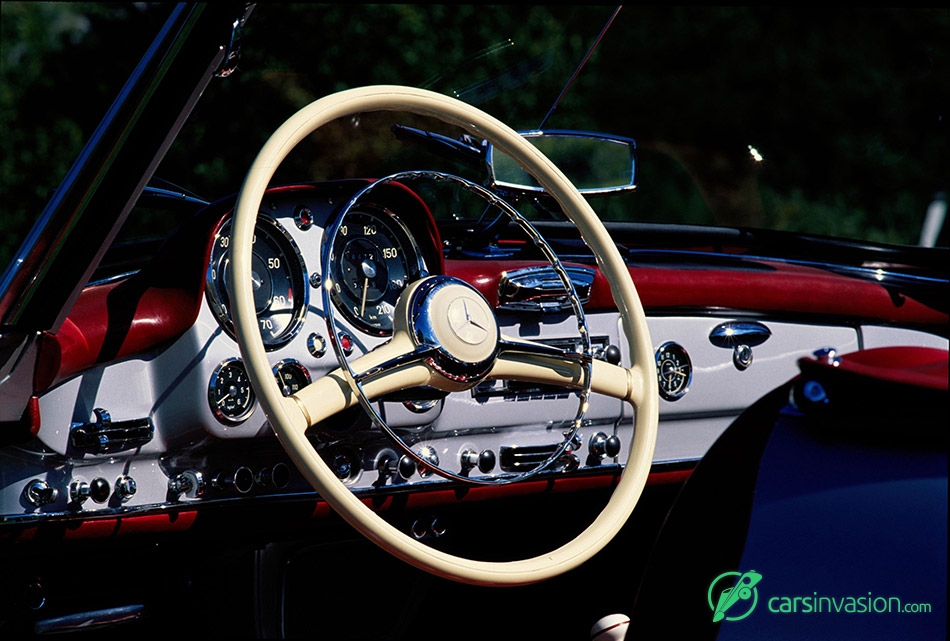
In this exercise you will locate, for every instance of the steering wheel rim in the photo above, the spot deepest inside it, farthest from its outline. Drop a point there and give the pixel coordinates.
(290, 416)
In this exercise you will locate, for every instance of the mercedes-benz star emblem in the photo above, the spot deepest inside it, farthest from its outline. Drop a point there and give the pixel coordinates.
(467, 319)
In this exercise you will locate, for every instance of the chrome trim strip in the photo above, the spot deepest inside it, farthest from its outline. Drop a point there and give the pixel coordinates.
(191, 505)
(89, 620)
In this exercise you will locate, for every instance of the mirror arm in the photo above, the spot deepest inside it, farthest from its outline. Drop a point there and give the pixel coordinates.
(459, 151)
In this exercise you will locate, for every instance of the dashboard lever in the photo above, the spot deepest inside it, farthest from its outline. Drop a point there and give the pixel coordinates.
(102, 435)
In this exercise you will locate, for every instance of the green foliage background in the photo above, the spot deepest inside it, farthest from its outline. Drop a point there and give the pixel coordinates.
(847, 106)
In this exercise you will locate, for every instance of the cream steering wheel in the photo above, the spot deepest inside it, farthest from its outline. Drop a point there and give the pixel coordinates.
(399, 364)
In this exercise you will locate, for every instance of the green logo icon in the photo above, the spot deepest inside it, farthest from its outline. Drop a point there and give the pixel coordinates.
(731, 593)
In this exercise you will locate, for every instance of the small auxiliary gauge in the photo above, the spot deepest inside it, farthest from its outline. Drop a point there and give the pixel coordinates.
(229, 392)
(291, 376)
(674, 370)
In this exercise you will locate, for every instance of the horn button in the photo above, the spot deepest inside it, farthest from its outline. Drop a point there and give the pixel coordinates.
(453, 317)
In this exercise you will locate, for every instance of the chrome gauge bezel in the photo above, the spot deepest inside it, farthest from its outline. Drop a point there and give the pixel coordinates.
(219, 377)
(294, 368)
(343, 299)
(673, 356)
(290, 264)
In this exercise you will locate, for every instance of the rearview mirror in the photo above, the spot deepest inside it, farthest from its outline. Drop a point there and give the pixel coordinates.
(595, 163)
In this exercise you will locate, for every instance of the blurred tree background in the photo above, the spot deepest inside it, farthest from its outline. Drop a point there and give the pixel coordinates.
(829, 121)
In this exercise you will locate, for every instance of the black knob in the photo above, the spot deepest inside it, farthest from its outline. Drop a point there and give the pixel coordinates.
(389, 466)
(407, 467)
(344, 465)
(34, 595)
(612, 446)
(99, 490)
(486, 461)
(612, 354)
(602, 445)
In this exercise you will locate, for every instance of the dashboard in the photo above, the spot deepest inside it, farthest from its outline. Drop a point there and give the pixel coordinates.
(169, 418)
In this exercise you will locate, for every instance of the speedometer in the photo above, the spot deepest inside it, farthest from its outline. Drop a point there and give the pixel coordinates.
(278, 278)
(374, 257)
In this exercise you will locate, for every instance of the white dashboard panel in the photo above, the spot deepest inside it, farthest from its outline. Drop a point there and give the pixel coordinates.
(878, 336)
(720, 390)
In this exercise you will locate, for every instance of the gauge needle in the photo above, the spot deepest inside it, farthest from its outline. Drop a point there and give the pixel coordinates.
(363, 301)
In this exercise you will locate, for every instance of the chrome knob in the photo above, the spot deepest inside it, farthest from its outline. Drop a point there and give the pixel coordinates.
(742, 357)
(429, 455)
(124, 488)
(39, 493)
(78, 491)
(568, 462)
(190, 484)
(316, 345)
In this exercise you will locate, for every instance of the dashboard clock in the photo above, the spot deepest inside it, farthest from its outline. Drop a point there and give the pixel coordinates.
(674, 371)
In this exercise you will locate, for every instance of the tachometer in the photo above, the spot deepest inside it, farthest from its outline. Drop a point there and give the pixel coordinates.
(278, 278)
(229, 392)
(374, 257)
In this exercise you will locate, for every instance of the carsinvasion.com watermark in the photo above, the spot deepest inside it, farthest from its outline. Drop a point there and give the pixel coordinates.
(732, 596)
(870, 604)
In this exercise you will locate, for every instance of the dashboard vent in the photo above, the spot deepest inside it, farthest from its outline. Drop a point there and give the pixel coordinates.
(524, 458)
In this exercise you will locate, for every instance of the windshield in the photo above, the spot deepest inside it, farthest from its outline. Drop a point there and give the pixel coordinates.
(831, 124)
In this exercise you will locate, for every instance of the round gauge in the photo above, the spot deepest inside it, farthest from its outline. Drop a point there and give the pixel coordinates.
(373, 259)
(278, 278)
(291, 376)
(229, 392)
(674, 371)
